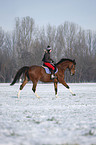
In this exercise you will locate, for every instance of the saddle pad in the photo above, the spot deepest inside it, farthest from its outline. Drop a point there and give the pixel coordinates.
(48, 71)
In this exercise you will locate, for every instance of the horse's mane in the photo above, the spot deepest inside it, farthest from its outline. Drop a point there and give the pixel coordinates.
(66, 59)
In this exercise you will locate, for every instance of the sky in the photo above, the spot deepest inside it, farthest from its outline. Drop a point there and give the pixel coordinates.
(53, 12)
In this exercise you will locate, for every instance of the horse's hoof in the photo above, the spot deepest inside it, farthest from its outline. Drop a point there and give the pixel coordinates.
(57, 96)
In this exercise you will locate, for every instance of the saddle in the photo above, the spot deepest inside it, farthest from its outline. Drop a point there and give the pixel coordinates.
(47, 70)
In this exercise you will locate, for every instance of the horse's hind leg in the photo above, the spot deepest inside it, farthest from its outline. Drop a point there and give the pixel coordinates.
(55, 87)
(34, 89)
(22, 85)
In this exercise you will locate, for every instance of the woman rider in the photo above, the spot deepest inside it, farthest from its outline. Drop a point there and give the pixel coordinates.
(47, 61)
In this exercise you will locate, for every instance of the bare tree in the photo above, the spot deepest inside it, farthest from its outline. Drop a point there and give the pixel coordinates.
(25, 46)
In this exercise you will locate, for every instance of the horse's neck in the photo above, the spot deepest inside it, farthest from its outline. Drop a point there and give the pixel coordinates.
(63, 66)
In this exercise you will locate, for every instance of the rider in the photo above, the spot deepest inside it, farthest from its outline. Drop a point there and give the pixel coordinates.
(47, 61)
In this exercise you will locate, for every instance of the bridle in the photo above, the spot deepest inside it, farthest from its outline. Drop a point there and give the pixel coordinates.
(71, 67)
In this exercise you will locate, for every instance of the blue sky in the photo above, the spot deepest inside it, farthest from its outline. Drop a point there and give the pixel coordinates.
(54, 12)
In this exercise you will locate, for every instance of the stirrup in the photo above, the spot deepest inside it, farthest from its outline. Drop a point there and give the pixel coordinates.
(53, 77)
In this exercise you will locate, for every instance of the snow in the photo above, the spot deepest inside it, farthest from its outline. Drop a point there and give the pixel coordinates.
(49, 120)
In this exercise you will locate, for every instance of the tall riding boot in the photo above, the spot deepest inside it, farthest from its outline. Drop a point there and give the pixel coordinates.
(53, 75)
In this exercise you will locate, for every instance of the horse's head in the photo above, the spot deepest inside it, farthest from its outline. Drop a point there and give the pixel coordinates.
(72, 67)
(67, 63)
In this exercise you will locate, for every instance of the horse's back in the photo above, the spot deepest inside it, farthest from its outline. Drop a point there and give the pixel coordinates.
(35, 67)
(38, 73)
(35, 71)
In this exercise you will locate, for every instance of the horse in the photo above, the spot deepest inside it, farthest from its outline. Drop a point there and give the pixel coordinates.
(37, 73)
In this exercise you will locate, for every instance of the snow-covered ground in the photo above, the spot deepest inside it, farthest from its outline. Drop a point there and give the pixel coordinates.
(67, 120)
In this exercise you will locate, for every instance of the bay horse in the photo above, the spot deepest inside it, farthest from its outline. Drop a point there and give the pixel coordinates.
(37, 73)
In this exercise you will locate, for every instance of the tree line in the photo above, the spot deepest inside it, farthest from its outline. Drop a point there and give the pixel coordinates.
(25, 46)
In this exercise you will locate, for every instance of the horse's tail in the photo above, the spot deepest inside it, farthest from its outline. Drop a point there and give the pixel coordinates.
(20, 71)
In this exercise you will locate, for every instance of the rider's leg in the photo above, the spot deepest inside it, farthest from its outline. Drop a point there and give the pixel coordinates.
(53, 74)
(52, 69)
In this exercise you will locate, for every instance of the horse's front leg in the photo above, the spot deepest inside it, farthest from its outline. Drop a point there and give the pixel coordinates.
(55, 87)
(64, 83)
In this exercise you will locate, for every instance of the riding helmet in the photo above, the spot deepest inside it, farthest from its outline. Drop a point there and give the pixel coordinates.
(48, 48)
